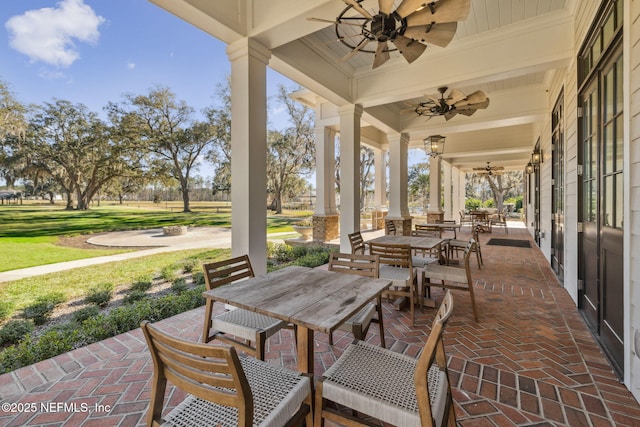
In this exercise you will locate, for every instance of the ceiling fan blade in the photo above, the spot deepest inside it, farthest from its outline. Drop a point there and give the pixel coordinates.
(443, 11)
(437, 34)
(434, 98)
(382, 55)
(355, 50)
(455, 96)
(476, 97)
(407, 7)
(466, 112)
(478, 106)
(328, 21)
(449, 115)
(356, 6)
(410, 49)
(385, 6)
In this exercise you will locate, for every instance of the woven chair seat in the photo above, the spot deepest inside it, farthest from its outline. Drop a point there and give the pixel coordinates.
(380, 383)
(277, 395)
(244, 323)
(421, 261)
(399, 275)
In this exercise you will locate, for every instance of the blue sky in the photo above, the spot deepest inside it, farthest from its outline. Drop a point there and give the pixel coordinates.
(93, 51)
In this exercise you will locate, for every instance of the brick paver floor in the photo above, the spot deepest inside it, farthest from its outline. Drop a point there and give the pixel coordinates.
(530, 361)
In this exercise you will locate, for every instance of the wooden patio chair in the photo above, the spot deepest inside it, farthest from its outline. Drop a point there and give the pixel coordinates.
(452, 222)
(223, 388)
(396, 265)
(500, 220)
(465, 219)
(357, 243)
(388, 386)
(248, 325)
(451, 277)
(458, 245)
(423, 257)
(361, 265)
(390, 227)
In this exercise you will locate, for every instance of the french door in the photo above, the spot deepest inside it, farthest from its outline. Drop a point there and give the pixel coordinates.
(601, 208)
(557, 190)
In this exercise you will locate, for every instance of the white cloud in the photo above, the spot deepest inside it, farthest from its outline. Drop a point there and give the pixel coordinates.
(48, 34)
(131, 65)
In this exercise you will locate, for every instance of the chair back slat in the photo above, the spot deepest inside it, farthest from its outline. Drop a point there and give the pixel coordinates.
(227, 271)
(433, 352)
(198, 369)
(390, 227)
(392, 254)
(358, 264)
(427, 231)
(357, 243)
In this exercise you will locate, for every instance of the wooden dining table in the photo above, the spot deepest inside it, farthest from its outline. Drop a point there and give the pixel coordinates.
(312, 299)
(416, 242)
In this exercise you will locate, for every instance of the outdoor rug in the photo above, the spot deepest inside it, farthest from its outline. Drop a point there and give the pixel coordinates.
(510, 242)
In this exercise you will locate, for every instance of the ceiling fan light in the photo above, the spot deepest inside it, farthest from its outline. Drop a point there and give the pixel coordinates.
(434, 145)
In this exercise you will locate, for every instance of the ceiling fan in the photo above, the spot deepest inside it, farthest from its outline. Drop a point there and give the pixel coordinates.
(408, 27)
(454, 103)
(489, 170)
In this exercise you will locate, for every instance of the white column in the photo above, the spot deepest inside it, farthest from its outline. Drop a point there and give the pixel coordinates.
(448, 190)
(434, 184)
(349, 173)
(325, 164)
(398, 175)
(455, 196)
(248, 151)
(380, 179)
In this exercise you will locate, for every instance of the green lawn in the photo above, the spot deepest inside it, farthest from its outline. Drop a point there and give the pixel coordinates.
(75, 283)
(28, 233)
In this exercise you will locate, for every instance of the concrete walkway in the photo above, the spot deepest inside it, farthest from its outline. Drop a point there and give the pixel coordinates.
(196, 238)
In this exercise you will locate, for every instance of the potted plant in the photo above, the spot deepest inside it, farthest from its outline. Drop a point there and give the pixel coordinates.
(304, 228)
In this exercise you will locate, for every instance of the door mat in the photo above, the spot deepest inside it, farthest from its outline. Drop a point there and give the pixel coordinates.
(510, 242)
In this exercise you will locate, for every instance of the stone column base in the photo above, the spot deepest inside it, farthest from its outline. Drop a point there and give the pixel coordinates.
(377, 219)
(326, 227)
(403, 224)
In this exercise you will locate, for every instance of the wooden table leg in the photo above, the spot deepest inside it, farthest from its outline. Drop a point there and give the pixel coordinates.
(305, 350)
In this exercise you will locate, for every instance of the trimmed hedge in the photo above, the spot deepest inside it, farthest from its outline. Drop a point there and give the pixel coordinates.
(122, 319)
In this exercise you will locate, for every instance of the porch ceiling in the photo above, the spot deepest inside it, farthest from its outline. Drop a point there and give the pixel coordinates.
(510, 49)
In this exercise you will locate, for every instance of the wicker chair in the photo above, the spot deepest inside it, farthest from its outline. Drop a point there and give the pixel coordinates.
(248, 325)
(389, 386)
(452, 277)
(396, 265)
(361, 265)
(357, 243)
(223, 388)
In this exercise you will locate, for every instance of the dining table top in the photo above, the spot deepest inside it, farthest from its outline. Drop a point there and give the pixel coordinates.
(416, 242)
(313, 298)
(439, 224)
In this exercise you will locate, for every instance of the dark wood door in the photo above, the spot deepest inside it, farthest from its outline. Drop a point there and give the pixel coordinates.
(601, 202)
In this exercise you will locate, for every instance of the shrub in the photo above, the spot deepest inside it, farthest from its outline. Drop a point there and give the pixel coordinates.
(14, 330)
(190, 265)
(141, 285)
(179, 286)
(198, 278)
(489, 203)
(41, 309)
(100, 294)
(471, 204)
(169, 273)
(121, 319)
(85, 313)
(6, 308)
(134, 296)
